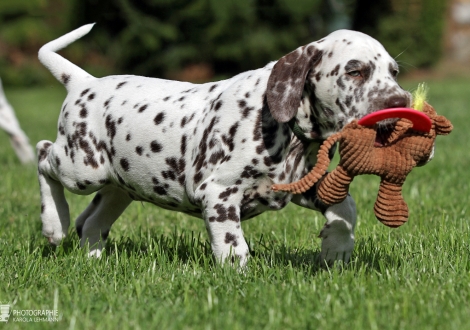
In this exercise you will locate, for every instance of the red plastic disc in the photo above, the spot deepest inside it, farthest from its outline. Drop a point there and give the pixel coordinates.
(421, 122)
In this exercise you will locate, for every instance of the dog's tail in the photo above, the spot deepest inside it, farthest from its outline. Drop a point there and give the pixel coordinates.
(63, 70)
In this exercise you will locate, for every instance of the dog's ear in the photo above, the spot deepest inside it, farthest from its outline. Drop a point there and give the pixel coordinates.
(287, 80)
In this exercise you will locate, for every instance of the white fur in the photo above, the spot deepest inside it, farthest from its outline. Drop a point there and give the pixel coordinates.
(9, 123)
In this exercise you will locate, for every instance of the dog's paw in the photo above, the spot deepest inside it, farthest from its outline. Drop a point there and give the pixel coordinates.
(337, 243)
(236, 256)
(96, 253)
(54, 237)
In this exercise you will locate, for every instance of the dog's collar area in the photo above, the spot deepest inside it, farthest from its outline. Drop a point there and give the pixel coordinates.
(300, 134)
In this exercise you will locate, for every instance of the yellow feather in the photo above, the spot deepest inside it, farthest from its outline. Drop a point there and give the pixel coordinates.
(419, 96)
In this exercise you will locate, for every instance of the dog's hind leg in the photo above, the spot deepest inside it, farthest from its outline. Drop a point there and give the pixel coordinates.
(54, 207)
(94, 223)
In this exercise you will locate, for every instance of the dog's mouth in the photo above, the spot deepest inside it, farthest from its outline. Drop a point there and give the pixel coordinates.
(384, 132)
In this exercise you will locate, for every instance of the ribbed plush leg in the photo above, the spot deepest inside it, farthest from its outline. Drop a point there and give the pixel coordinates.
(390, 208)
(334, 187)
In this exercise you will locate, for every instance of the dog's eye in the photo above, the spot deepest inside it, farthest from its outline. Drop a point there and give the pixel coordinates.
(355, 73)
(395, 73)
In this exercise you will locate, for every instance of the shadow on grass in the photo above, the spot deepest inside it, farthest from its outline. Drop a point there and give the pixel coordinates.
(373, 258)
(69, 245)
(190, 248)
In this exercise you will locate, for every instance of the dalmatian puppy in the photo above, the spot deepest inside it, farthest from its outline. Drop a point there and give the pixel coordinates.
(9, 123)
(210, 150)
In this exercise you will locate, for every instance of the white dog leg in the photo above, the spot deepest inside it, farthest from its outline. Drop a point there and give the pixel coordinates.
(338, 233)
(223, 224)
(99, 216)
(54, 207)
(9, 123)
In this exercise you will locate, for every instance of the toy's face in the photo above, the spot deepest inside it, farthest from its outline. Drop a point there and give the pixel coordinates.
(356, 76)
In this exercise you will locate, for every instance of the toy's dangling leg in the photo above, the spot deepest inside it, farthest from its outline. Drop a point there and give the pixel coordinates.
(334, 188)
(320, 168)
(390, 208)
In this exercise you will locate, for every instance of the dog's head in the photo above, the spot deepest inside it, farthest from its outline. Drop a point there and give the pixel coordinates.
(328, 83)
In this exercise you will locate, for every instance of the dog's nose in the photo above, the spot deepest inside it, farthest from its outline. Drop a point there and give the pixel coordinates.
(396, 102)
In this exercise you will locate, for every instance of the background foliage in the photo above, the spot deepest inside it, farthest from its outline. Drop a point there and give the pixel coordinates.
(200, 40)
(412, 29)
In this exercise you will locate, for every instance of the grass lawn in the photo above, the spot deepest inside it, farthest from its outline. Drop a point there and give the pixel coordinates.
(157, 272)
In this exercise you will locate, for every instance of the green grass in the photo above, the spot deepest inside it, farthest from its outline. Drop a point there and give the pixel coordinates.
(157, 271)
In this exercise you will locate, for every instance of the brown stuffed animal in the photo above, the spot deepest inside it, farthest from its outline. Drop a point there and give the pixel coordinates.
(363, 152)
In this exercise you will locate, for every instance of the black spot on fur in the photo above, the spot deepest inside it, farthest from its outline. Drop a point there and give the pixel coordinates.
(125, 164)
(231, 239)
(340, 83)
(183, 145)
(106, 103)
(335, 71)
(229, 139)
(218, 105)
(267, 161)
(110, 126)
(65, 78)
(91, 96)
(250, 172)
(159, 118)
(155, 146)
(197, 177)
(139, 150)
(142, 108)
(43, 152)
(121, 84)
(227, 192)
(83, 113)
(216, 157)
(224, 213)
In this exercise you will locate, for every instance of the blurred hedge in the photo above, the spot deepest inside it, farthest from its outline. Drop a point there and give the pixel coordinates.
(411, 30)
(163, 36)
(203, 39)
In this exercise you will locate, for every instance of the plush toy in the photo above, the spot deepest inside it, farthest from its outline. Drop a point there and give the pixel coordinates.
(364, 150)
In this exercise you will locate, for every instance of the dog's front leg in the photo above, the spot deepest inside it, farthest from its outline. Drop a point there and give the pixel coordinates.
(338, 232)
(222, 218)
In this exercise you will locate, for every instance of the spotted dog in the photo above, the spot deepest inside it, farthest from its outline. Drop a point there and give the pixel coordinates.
(209, 150)
(9, 123)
